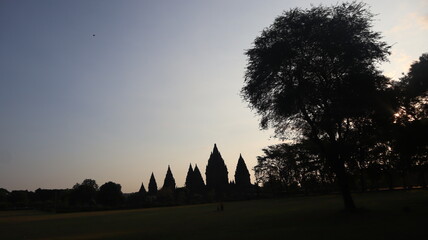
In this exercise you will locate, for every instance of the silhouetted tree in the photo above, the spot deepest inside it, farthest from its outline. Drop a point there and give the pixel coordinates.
(3, 195)
(411, 123)
(216, 172)
(90, 183)
(153, 187)
(110, 194)
(242, 175)
(20, 198)
(51, 199)
(84, 193)
(314, 71)
(285, 167)
(169, 182)
(415, 88)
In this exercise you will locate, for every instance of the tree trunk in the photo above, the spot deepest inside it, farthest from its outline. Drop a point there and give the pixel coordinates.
(422, 176)
(342, 179)
(404, 178)
(338, 165)
(390, 179)
(362, 180)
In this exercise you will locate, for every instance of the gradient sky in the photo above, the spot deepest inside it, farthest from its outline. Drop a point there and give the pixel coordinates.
(157, 85)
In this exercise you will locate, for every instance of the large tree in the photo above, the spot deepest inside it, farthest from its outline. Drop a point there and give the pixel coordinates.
(411, 124)
(314, 72)
(85, 193)
(110, 194)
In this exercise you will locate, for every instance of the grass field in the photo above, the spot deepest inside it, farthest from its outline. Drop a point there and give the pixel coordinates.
(383, 215)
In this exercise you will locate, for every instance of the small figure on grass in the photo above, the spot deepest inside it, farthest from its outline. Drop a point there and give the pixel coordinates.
(220, 207)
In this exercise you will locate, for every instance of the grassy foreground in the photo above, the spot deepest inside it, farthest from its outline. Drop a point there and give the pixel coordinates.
(384, 215)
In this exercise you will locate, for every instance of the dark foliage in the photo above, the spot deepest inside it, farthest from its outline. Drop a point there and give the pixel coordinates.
(4, 194)
(21, 198)
(84, 194)
(51, 199)
(416, 82)
(110, 194)
(410, 130)
(291, 168)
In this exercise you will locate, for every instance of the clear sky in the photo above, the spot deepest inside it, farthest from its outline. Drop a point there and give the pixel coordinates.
(157, 85)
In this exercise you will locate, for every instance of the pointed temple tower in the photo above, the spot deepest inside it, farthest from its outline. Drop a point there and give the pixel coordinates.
(242, 175)
(142, 189)
(198, 182)
(169, 182)
(189, 178)
(194, 181)
(153, 187)
(216, 172)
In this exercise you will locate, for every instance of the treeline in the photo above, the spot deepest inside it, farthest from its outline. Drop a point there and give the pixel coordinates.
(388, 150)
(84, 196)
(286, 169)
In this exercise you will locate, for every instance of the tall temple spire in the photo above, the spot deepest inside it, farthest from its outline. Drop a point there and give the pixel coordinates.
(216, 172)
(215, 150)
(153, 187)
(242, 175)
(142, 189)
(169, 182)
(189, 178)
(198, 182)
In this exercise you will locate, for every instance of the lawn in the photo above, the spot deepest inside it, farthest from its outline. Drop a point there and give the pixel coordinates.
(383, 215)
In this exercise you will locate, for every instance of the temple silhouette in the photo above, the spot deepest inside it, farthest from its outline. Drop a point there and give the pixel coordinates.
(216, 172)
(217, 183)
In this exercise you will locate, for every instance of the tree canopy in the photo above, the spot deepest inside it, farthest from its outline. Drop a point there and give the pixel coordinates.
(110, 194)
(411, 121)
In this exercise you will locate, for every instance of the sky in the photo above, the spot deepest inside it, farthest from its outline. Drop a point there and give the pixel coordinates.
(116, 90)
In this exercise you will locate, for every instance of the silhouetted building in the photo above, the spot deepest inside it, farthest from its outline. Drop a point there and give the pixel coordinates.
(242, 175)
(198, 184)
(142, 189)
(216, 172)
(169, 182)
(189, 178)
(194, 181)
(153, 187)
